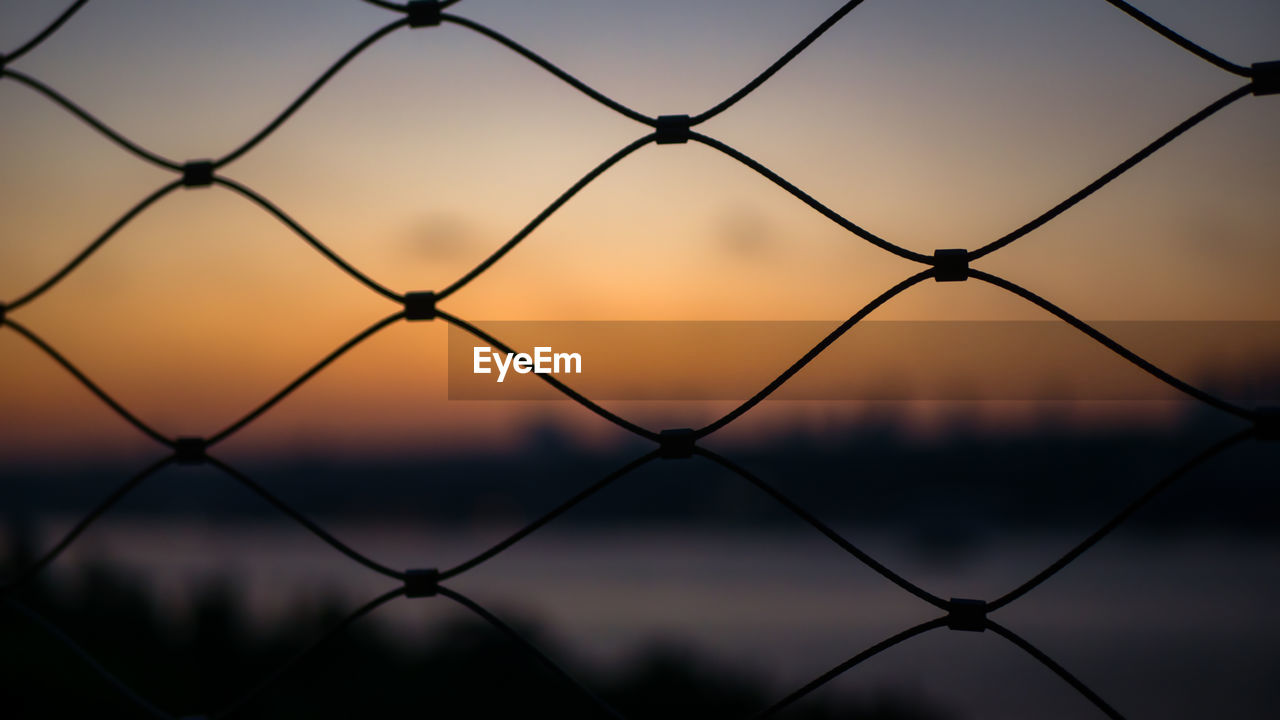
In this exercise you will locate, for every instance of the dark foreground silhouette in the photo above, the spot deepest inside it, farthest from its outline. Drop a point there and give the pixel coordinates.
(211, 657)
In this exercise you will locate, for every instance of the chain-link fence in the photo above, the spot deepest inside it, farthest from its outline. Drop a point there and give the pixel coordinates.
(945, 265)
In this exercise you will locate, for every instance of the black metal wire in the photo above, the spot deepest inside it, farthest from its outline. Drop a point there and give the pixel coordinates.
(93, 246)
(310, 239)
(816, 350)
(520, 640)
(29, 573)
(845, 666)
(1114, 173)
(809, 200)
(633, 114)
(549, 67)
(1058, 670)
(1181, 41)
(1112, 345)
(90, 119)
(1053, 569)
(311, 90)
(1007, 239)
(44, 34)
(403, 7)
(553, 514)
(84, 380)
(823, 528)
(33, 571)
(359, 338)
(304, 521)
(777, 65)
(542, 216)
(387, 5)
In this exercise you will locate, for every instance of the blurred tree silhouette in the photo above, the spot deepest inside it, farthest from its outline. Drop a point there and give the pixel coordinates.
(205, 658)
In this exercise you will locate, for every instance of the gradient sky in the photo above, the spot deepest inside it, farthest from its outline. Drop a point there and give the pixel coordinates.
(934, 124)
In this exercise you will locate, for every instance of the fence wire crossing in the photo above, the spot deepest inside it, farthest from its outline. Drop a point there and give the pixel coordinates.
(943, 265)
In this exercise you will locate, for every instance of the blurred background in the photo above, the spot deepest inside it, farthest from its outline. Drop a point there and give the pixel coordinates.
(933, 124)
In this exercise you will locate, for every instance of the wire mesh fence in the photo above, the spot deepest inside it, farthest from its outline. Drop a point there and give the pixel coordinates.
(944, 265)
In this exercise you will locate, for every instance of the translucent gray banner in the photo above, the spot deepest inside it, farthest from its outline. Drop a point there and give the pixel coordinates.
(884, 360)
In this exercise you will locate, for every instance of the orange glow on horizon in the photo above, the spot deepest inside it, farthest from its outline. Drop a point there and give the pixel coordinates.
(431, 150)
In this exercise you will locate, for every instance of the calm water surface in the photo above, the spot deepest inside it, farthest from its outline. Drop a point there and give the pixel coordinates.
(1178, 625)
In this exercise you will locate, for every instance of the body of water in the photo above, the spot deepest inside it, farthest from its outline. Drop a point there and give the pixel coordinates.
(1167, 625)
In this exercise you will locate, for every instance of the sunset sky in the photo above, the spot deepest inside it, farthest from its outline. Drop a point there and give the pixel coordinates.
(934, 124)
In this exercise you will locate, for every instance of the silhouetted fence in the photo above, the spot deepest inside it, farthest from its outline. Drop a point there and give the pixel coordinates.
(943, 265)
